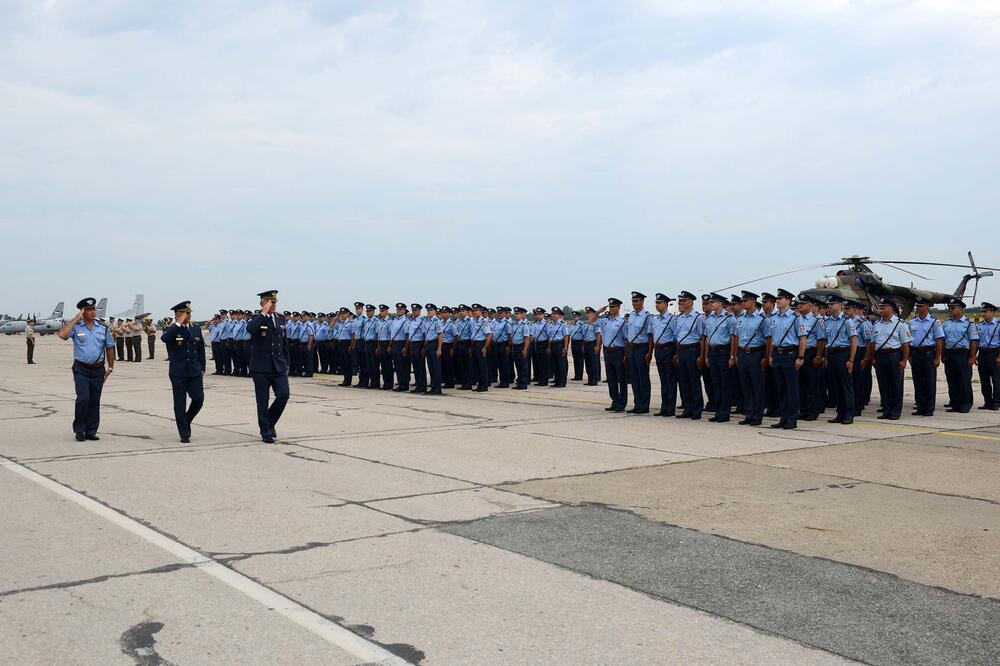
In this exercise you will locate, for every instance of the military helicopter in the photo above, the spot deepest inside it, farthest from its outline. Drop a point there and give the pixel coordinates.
(856, 280)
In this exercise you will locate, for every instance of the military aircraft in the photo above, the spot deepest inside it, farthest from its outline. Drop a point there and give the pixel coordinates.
(859, 282)
(42, 326)
(136, 311)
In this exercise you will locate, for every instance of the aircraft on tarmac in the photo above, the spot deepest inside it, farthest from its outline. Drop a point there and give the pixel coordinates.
(137, 310)
(51, 324)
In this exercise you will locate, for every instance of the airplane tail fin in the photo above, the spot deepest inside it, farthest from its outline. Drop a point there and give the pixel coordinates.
(58, 312)
(102, 308)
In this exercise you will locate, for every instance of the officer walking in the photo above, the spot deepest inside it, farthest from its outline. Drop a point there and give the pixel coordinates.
(786, 349)
(719, 353)
(433, 348)
(841, 349)
(93, 346)
(186, 354)
(925, 357)
(892, 351)
(961, 339)
(664, 331)
(612, 337)
(989, 358)
(520, 347)
(29, 339)
(269, 364)
(639, 342)
(591, 351)
(751, 340)
(558, 348)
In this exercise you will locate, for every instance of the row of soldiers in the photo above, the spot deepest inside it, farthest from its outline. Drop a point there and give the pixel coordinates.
(127, 335)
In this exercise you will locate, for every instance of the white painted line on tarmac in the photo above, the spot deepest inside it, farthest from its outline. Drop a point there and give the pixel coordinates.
(331, 632)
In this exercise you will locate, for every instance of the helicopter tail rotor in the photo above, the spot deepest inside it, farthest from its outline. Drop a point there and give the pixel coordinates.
(976, 275)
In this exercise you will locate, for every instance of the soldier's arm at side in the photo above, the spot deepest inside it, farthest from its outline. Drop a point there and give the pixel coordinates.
(201, 353)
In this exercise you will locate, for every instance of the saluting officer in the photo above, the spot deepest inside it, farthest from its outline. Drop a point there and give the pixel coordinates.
(989, 358)
(751, 341)
(786, 349)
(925, 357)
(719, 353)
(520, 347)
(269, 364)
(186, 353)
(92, 347)
(398, 330)
(591, 350)
(961, 338)
(664, 331)
(432, 348)
(611, 336)
(811, 386)
(892, 351)
(841, 348)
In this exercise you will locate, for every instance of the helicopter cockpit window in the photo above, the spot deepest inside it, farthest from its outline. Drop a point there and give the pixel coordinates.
(859, 282)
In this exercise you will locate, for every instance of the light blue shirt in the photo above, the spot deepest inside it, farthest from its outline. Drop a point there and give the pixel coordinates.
(556, 330)
(989, 338)
(448, 332)
(520, 330)
(463, 328)
(384, 329)
(689, 327)
(612, 331)
(415, 329)
(322, 332)
(227, 329)
(751, 329)
(501, 331)
(308, 330)
(925, 332)
(432, 329)
(398, 328)
(720, 328)
(783, 328)
(639, 327)
(540, 331)
(242, 333)
(292, 330)
(576, 331)
(892, 334)
(215, 332)
(864, 329)
(479, 329)
(811, 326)
(959, 333)
(346, 330)
(664, 328)
(371, 327)
(358, 326)
(840, 330)
(89, 343)
(589, 332)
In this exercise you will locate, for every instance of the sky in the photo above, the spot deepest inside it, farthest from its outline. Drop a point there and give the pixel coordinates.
(505, 152)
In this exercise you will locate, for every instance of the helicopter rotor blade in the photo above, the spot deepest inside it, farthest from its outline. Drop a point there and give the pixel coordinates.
(972, 262)
(932, 263)
(768, 277)
(885, 263)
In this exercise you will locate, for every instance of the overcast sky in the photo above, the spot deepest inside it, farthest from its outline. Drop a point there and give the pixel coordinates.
(508, 152)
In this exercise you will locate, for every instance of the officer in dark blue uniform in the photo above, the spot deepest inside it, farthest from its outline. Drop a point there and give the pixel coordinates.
(186, 353)
(93, 344)
(612, 338)
(841, 349)
(269, 364)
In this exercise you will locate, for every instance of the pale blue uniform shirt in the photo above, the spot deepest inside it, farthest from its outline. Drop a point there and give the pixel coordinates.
(292, 330)
(989, 336)
(398, 328)
(664, 327)
(811, 326)
(751, 329)
(501, 331)
(384, 329)
(576, 331)
(783, 328)
(720, 328)
(308, 330)
(358, 326)
(557, 330)
(89, 343)
(464, 328)
(215, 332)
(448, 332)
(415, 329)
(888, 335)
(612, 331)
(346, 330)
(840, 330)
(322, 332)
(520, 330)
(371, 329)
(243, 334)
(335, 330)
(589, 332)
(227, 329)
(434, 327)
(959, 333)
(866, 333)
(689, 327)
(639, 327)
(479, 329)
(925, 332)
(540, 331)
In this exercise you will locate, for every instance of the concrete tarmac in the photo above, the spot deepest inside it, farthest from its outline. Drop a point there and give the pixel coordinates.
(508, 527)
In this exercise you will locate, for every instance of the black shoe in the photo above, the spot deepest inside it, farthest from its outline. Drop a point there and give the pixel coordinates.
(640, 411)
(386, 388)
(682, 416)
(482, 390)
(789, 426)
(746, 422)
(882, 416)
(631, 411)
(576, 379)
(917, 413)
(464, 388)
(618, 410)
(503, 385)
(835, 420)
(343, 384)
(809, 417)
(777, 425)
(419, 390)
(306, 375)
(714, 419)
(756, 423)
(185, 440)
(267, 439)
(92, 438)
(695, 418)
(450, 386)
(893, 418)
(435, 393)
(32, 363)
(772, 414)
(591, 383)
(928, 414)
(846, 422)
(953, 409)
(724, 419)
(984, 407)
(79, 437)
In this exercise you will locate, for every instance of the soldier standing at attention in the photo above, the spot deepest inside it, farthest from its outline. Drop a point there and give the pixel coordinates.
(432, 349)
(639, 346)
(307, 339)
(269, 364)
(358, 344)
(861, 372)
(961, 338)
(690, 327)
(415, 334)
(719, 353)
(447, 347)
(126, 331)
(520, 347)
(811, 390)
(769, 307)
(322, 353)
(841, 348)
(186, 353)
(370, 333)
(29, 339)
(989, 358)
(540, 348)
(665, 349)
(558, 348)
(137, 340)
(591, 350)
(479, 350)
(611, 336)
(397, 342)
(706, 374)
(892, 351)
(344, 347)
(925, 357)
(736, 388)
(92, 347)
(786, 351)
(502, 348)
(576, 330)
(383, 350)
(215, 337)
(750, 360)
(150, 329)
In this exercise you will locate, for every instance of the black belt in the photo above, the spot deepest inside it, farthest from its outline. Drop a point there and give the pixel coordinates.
(92, 366)
(691, 346)
(990, 350)
(922, 349)
(957, 351)
(838, 349)
(718, 347)
(607, 349)
(786, 350)
(752, 350)
(887, 351)
(666, 345)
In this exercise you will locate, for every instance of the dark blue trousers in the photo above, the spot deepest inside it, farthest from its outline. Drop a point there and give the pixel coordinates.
(843, 383)
(786, 378)
(184, 388)
(890, 381)
(385, 363)
(372, 362)
(718, 365)
(417, 363)
(859, 377)
(811, 387)
(689, 382)
(592, 357)
(268, 415)
(346, 364)
(480, 365)
(614, 362)
(959, 376)
(402, 363)
(447, 365)
(989, 377)
(668, 378)
(638, 372)
(560, 365)
(576, 349)
(522, 363)
(360, 362)
(89, 383)
(752, 380)
(464, 364)
(505, 368)
(433, 365)
(924, 380)
(541, 361)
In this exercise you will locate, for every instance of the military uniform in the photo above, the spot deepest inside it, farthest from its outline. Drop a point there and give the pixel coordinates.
(785, 352)
(961, 338)
(358, 357)
(186, 354)
(269, 361)
(718, 354)
(383, 349)
(690, 327)
(840, 351)
(415, 335)
(520, 348)
(812, 388)
(540, 348)
(613, 338)
(989, 358)
(432, 349)
(664, 330)
(591, 352)
(576, 334)
(925, 358)
(480, 339)
(90, 352)
(398, 329)
(892, 349)
(751, 343)
(704, 372)
(150, 328)
(558, 348)
(29, 340)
